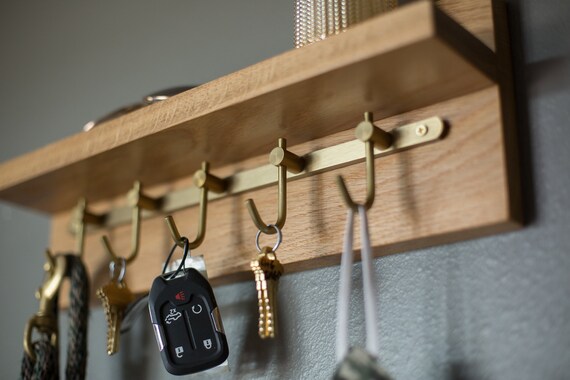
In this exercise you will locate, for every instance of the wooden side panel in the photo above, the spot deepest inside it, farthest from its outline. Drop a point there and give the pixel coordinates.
(474, 15)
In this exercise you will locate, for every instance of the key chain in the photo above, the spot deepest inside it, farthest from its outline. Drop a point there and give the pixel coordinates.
(115, 297)
(357, 363)
(267, 270)
(41, 357)
(186, 319)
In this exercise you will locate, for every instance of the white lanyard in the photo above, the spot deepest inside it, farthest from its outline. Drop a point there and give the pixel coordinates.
(347, 260)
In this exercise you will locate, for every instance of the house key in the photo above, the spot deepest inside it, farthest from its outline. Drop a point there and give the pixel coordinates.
(115, 297)
(267, 270)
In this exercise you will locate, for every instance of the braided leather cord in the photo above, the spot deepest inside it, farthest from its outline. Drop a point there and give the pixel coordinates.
(46, 366)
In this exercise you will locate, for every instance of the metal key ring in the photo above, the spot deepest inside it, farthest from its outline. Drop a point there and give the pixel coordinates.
(123, 270)
(279, 238)
(182, 265)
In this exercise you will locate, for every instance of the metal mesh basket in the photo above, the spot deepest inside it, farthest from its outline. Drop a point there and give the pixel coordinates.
(315, 20)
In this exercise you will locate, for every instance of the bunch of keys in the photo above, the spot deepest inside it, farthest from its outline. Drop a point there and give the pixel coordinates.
(267, 270)
(115, 297)
(186, 320)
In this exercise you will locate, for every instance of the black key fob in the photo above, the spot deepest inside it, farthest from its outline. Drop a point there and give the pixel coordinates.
(187, 323)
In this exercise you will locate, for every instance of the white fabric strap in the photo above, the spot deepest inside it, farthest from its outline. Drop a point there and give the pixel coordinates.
(368, 284)
(347, 260)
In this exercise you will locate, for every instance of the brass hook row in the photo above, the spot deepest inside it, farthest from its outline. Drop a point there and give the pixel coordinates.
(279, 156)
(402, 137)
(138, 201)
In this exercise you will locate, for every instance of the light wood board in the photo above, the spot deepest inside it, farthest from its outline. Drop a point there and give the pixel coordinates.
(403, 60)
(450, 190)
(408, 65)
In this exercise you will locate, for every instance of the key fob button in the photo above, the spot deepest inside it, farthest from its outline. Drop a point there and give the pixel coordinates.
(180, 297)
(197, 309)
(179, 344)
(202, 325)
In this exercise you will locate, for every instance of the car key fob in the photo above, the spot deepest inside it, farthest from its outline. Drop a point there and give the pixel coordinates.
(187, 323)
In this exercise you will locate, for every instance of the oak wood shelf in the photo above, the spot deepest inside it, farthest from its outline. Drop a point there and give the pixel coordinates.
(407, 59)
(405, 66)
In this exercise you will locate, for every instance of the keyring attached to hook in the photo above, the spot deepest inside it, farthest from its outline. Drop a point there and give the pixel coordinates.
(279, 238)
(182, 265)
(122, 271)
(186, 296)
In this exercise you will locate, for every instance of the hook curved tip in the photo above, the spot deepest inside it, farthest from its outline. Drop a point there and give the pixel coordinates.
(252, 208)
(256, 218)
(344, 193)
(174, 233)
(108, 247)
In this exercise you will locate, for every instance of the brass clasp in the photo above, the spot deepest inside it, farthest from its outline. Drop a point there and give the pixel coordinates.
(45, 320)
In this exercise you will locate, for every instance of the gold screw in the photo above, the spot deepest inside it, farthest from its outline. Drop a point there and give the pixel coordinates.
(421, 130)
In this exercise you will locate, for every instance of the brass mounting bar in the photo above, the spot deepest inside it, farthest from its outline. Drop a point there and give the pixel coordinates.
(334, 157)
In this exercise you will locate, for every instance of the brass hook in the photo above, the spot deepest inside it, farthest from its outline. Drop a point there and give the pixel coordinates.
(285, 162)
(136, 200)
(82, 217)
(371, 136)
(205, 181)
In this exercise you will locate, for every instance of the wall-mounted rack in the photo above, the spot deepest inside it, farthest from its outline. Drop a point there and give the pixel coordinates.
(405, 66)
(334, 157)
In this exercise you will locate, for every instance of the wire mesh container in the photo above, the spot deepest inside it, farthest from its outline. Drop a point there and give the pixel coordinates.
(315, 20)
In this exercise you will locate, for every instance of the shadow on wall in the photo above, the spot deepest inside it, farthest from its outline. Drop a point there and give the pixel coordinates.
(140, 336)
(461, 371)
(526, 77)
(521, 89)
(256, 355)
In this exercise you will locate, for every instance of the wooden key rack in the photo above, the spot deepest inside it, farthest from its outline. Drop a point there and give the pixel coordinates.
(448, 60)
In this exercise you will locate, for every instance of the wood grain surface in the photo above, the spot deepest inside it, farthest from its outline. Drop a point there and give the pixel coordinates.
(474, 15)
(407, 65)
(451, 190)
(397, 62)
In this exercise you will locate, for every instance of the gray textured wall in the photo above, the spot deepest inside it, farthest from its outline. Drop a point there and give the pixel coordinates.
(494, 308)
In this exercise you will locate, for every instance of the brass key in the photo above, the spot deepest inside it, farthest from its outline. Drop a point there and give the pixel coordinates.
(115, 297)
(267, 270)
